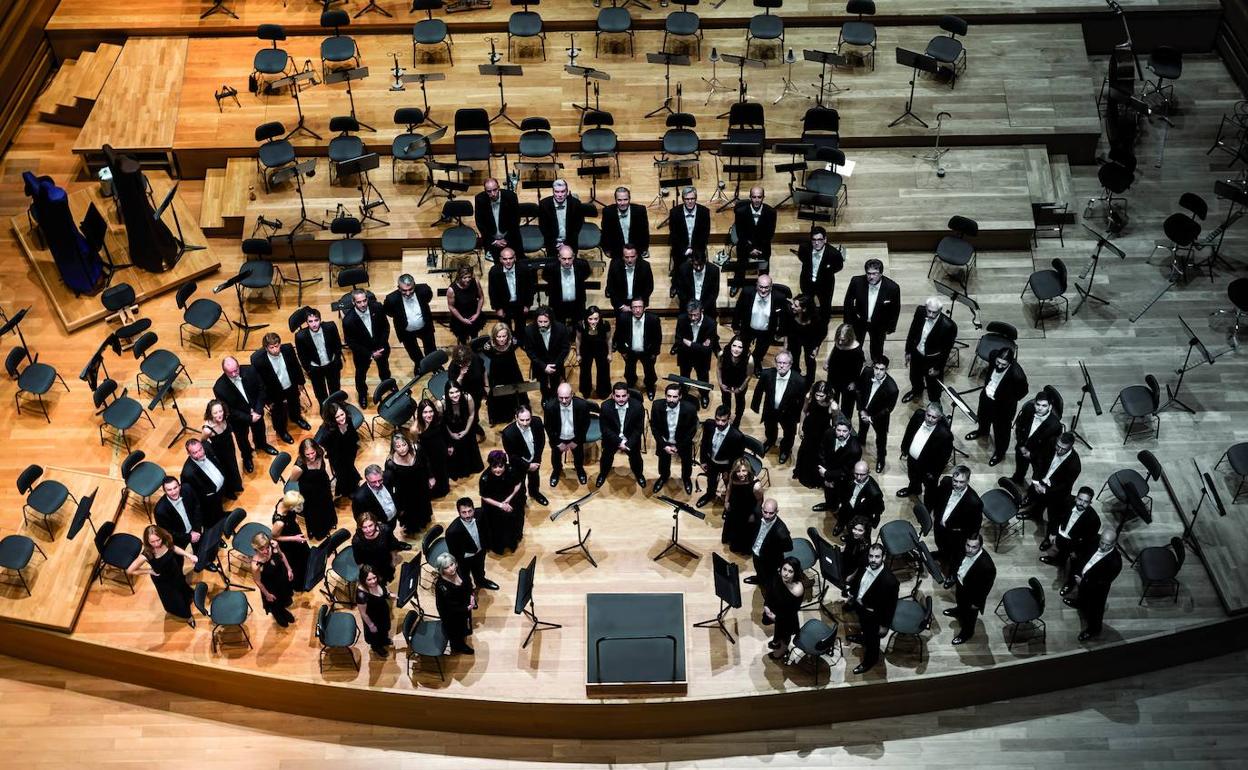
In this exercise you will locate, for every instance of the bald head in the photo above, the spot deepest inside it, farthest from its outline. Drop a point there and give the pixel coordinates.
(229, 365)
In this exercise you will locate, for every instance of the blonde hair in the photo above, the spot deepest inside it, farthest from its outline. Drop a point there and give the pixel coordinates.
(260, 540)
(293, 500)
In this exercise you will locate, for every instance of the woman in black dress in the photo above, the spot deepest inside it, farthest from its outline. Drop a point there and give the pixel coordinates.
(274, 578)
(162, 560)
(288, 536)
(463, 453)
(502, 502)
(805, 331)
(375, 545)
(782, 597)
(814, 425)
(593, 350)
(431, 445)
(465, 300)
(468, 369)
(734, 376)
(342, 445)
(456, 598)
(408, 476)
(857, 542)
(217, 433)
(741, 507)
(311, 470)
(504, 369)
(845, 363)
(372, 598)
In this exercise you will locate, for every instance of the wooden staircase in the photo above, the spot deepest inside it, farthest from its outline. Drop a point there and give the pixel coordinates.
(227, 191)
(68, 99)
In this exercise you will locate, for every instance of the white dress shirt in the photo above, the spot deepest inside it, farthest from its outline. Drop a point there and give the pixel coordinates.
(967, 563)
(763, 528)
(471, 526)
(920, 439)
(994, 382)
(629, 271)
(816, 259)
(367, 318)
(875, 387)
(318, 342)
(567, 430)
(1096, 556)
(179, 505)
(278, 362)
(698, 277)
(869, 574)
(927, 329)
(510, 277)
(1071, 520)
(717, 441)
(621, 410)
(527, 435)
(760, 314)
(387, 501)
(415, 318)
(873, 294)
(639, 334)
(237, 382)
(561, 219)
(1058, 459)
(955, 497)
(211, 471)
(673, 416)
(782, 384)
(567, 283)
(858, 487)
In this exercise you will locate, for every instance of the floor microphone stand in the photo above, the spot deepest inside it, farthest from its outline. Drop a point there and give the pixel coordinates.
(714, 85)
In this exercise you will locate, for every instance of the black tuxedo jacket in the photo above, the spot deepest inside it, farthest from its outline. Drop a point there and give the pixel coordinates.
(972, 590)
(887, 305)
(885, 398)
(167, 517)
(634, 423)
(710, 287)
(686, 424)
(732, 448)
(536, 349)
(1087, 529)
(777, 543)
(549, 225)
(613, 239)
(939, 342)
(967, 516)
(241, 408)
(394, 309)
(1013, 387)
(363, 500)
(580, 419)
(880, 600)
(790, 407)
(508, 218)
(681, 239)
(780, 299)
(362, 343)
(272, 387)
(1094, 585)
(1042, 441)
(459, 542)
(196, 481)
(869, 504)
(936, 451)
(526, 286)
(617, 286)
(839, 463)
(306, 349)
(1064, 477)
(825, 280)
(652, 338)
(707, 332)
(517, 451)
(752, 236)
(554, 286)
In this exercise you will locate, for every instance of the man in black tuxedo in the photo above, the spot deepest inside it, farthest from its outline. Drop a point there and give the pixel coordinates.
(202, 476)
(625, 222)
(877, 397)
(497, 213)
(957, 513)
(466, 541)
(755, 223)
(639, 337)
(974, 577)
(368, 336)
(780, 392)
(839, 452)
(177, 512)
(511, 288)
(697, 280)
(689, 226)
(546, 342)
(1005, 384)
(622, 420)
(375, 496)
(565, 286)
(566, 418)
(524, 441)
(1077, 532)
(697, 340)
(758, 314)
(926, 447)
(629, 278)
(872, 596)
(1093, 572)
(1036, 429)
(242, 390)
(928, 345)
(820, 263)
(1053, 479)
(408, 306)
(861, 497)
(279, 370)
(673, 421)
(560, 218)
(771, 542)
(721, 445)
(320, 352)
(872, 306)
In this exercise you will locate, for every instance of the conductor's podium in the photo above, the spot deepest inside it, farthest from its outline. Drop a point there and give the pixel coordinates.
(635, 645)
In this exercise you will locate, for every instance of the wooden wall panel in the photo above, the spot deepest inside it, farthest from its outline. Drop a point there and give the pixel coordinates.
(1233, 40)
(25, 59)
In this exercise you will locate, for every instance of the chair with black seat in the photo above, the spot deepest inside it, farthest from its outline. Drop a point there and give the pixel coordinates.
(1001, 509)
(473, 142)
(590, 237)
(1183, 230)
(911, 618)
(275, 153)
(525, 24)
(156, 367)
(536, 141)
(261, 272)
(816, 639)
(459, 241)
(947, 49)
(821, 127)
(395, 408)
(683, 23)
(228, 610)
(348, 251)
(425, 639)
(432, 546)
(45, 498)
(430, 31)
(1115, 178)
(615, 20)
(597, 141)
(746, 123)
(117, 550)
(1023, 606)
(143, 477)
(33, 378)
(1141, 402)
(121, 303)
(344, 147)
(955, 250)
(278, 466)
(340, 48)
(859, 33)
(15, 554)
(754, 454)
(272, 62)
(828, 187)
(1166, 62)
(1237, 295)
(765, 26)
(681, 140)
(1159, 565)
(409, 146)
(999, 335)
(241, 550)
(201, 315)
(1237, 456)
(1048, 286)
(900, 538)
(345, 573)
(1118, 482)
(531, 239)
(120, 413)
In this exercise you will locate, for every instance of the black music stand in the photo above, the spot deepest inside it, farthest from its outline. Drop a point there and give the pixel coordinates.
(916, 61)
(1087, 389)
(1193, 343)
(1102, 241)
(208, 553)
(793, 149)
(500, 71)
(524, 602)
(675, 544)
(423, 78)
(95, 229)
(593, 172)
(667, 60)
(346, 76)
(295, 84)
(823, 59)
(180, 239)
(728, 589)
(359, 167)
(299, 281)
(244, 328)
(218, 6)
(959, 405)
(82, 515)
(297, 172)
(659, 198)
(372, 6)
(738, 151)
(159, 400)
(742, 62)
(1207, 490)
(588, 73)
(581, 538)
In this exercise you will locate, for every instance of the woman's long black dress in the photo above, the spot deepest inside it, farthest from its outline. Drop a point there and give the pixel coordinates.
(506, 529)
(378, 610)
(739, 509)
(806, 468)
(595, 348)
(432, 447)
(226, 450)
(273, 575)
(319, 513)
(411, 494)
(376, 552)
(465, 460)
(342, 449)
(452, 603)
(734, 374)
(504, 370)
(844, 366)
(466, 298)
(171, 586)
(785, 606)
(296, 553)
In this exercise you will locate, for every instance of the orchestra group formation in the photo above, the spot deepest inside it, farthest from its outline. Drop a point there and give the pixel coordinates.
(506, 342)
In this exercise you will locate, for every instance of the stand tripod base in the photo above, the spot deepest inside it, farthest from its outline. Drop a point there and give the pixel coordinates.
(301, 127)
(218, 7)
(666, 106)
(580, 545)
(908, 114)
(718, 622)
(244, 332)
(790, 90)
(1084, 296)
(1174, 401)
(538, 625)
(372, 6)
(714, 87)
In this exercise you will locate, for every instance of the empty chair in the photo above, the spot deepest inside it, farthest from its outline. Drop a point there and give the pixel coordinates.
(947, 49)
(261, 272)
(336, 631)
(120, 413)
(407, 147)
(1237, 456)
(525, 24)
(821, 127)
(229, 610)
(683, 23)
(432, 546)
(955, 251)
(754, 453)
(911, 618)
(536, 141)
(15, 554)
(275, 153)
(347, 571)
(45, 498)
(1129, 477)
(143, 477)
(1001, 508)
(156, 367)
(1048, 286)
(472, 136)
(425, 639)
(597, 141)
(531, 239)
(765, 26)
(395, 408)
(614, 21)
(348, 251)
(998, 336)
(459, 240)
(1023, 606)
(680, 139)
(201, 315)
(828, 186)
(1183, 230)
(590, 236)
(278, 466)
(816, 639)
(430, 31)
(117, 551)
(1115, 178)
(120, 302)
(900, 538)
(1141, 402)
(746, 123)
(1166, 62)
(272, 61)
(340, 48)
(33, 378)
(859, 33)
(1158, 566)
(346, 146)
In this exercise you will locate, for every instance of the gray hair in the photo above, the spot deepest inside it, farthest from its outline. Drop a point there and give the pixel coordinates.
(934, 303)
(443, 561)
(372, 470)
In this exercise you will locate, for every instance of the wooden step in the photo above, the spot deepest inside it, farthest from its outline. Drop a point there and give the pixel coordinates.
(94, 74)
(237, 187)
(1063, 186)
(1039, 176)
(210, 219)
(49, 103)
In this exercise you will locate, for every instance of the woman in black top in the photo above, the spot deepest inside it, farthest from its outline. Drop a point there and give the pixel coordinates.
(857, 543)
(593, 350)
(741, 506)
(407, 474)
(374, 544)
(502, 502)
(162, 560)
(431, 445)
(456, 598)
(274, 578)
(342, 445)
(845, 363)
(815, 424)
(504, 369)
(218, 434)
(287, 534)
(782, 598)
(734, 376)
(805, 331)
(467, 369)
(372, 598)
(465, 299)
(311, 471)
(464, 454)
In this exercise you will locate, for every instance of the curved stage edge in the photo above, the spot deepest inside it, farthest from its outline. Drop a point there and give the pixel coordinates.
(617, 719)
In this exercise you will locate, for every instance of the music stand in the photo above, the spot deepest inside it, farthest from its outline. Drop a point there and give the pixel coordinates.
(372, 6)
(667, 60)
(82, 515)
(294, 83)
(218, 6)
(518, 389)
(738, 151)
(500, 71)
(159, 400)
(742, 62)
(916, 61)
(675, 543)
(244, 328)
(728, 589)
(688, 382)
(167, 203)
(960, 405)
(1193, 343)
(937, 154)
(665, 185)
(959, 298)
(208, 552)
(424, 78)
(346, 76)
(524, 602)
(793, 149)
(588, 73)
(299, 281)
(359, 167)
(1207, 490)
(1087, 389)
(1085, 294)
(593, 172)
(297, 171)
(581, 539)
(824, 58)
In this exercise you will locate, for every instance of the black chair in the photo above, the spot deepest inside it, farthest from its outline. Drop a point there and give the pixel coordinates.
(816, 639)
(425, 639)
(1183, 230)
(1001, 508)
(998, 336)
(747, 123)
(948, 50)
(432, 546)
(764, 26)
(524, 24)
(1118, 482)
(683, 23)
(120, 302)
(531, 239)
(271, 61)
(275, 153)
(157, 367)
(228, 610)
(754, 453)
(536, 141)
(1115, 178)
(348, 251)
(344, 147)
(120, 413)
(45, 499)
(408, 147)
(590, 237)
(955, 251)
(241, 550)
(597, 141)
(472, 136)
(1048, 286)
(1141, 402)
(336, 631)
(681, 140)
(430, 31)
(346, 569)
(911, 618)
(395, 408)
(1023, 606)
(1159, 566)
(339, 48)
(278, 466)
(142, 477)
(15, 554)
(353, 411)
(1237, 456)
(900, 538)
(459, 240)
(821, 127)
(201, 315)
(859, 33)
(1166, 62)
(261, 272)
(614, 21)
(828, 187)
(33, 378)
(117, 551)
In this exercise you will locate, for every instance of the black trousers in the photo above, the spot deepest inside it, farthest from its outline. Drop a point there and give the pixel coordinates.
(609, 447)
(736, 402)
(880, 423)
(567, 312)
(756, 343)
(418, 344)
(777, 426)
(878, 338)
(475, 564)
(595, 386)
(685, 453)
(998, 418)
(918, 481)
(698, 363)
(950, 545)
(325, 380)
(869, 628)
(514, 316)
(923, 382)
(967, 617)
(647, 365)
(1021, 465)
(362, 364)
(285, 408)
(556, 458)
(246, 445)
(714, 474)
(535, 481)
(548, 383)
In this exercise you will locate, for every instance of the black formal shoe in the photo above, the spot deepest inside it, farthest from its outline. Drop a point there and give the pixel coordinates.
(879, 466)
(380, 652)
(909, 397)
(838, 529)
(641, 481)
(820, 508)
(704, 500)
(949, 612)
(490, 584)
(554, 479)
(1069, 602)
(688, 487)
(994, 460)
(248, 465)
(752, 580)
(904, 492)
(286, 438)
(706, 401)
(658, 484)
(861, 669)
(269, 449)
(854, 638)
(959, 639)
(302, 423)
(650, 394)
(672, 291)
(463, 648)
(405, 546)
(972, 435)
(733, 291)
(1086, 635)
(540, 499)
(948, 583)
(581, 477)
(1046, 559)
(212, 568)
(1046, 544)
(602, 477)
(1066, 591)
(363, 401)
(773, 644)
(784, 457)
